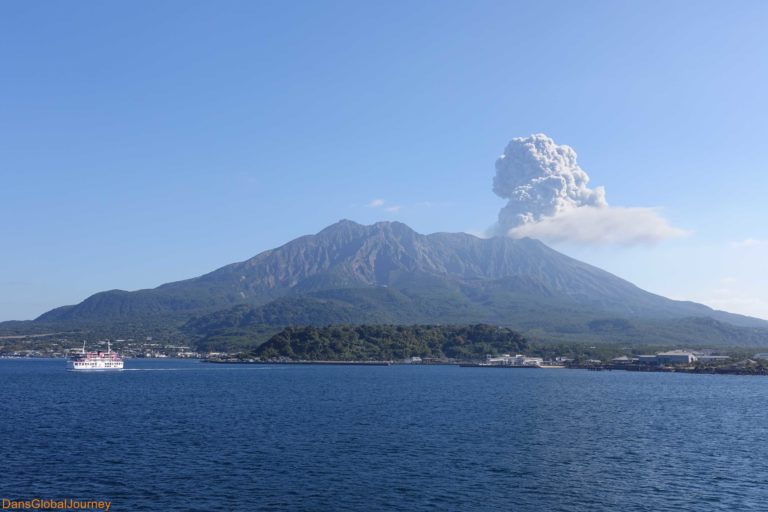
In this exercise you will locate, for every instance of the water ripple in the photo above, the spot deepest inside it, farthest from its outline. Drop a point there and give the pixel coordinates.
(179, 435)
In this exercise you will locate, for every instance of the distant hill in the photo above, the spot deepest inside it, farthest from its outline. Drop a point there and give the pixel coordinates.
(391, 342)
(388, 273)
(538, 320)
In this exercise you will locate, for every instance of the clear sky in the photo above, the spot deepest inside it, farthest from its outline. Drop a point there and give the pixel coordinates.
(146, 142)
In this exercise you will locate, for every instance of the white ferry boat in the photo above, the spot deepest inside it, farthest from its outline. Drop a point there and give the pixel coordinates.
(94, 361)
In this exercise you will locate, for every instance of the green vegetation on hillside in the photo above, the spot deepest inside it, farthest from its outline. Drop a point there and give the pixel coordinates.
(244, 327)
(391, 342)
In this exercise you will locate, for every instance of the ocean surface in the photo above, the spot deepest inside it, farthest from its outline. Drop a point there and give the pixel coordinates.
(168, 435)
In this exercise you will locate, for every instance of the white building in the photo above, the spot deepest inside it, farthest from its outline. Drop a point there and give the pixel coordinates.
(675, 357)
(624, 360)
(671, 357)
(516, 360)
(712, 359)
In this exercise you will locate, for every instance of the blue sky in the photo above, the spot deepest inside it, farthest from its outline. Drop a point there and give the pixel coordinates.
(146, 142)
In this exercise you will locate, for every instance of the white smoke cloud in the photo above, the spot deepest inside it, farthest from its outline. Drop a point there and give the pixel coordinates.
(592, 225)
(549, 198)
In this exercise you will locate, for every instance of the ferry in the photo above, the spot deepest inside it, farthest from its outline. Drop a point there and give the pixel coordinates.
(96, 361)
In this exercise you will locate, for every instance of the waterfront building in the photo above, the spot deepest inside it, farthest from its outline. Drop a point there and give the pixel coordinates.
(675, 357)
(516, 360)
(712, 359)
(671, 357)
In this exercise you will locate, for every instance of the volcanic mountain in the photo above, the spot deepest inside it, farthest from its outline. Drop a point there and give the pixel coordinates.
(388, 273)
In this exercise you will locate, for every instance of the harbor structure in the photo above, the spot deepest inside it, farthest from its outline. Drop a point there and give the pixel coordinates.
(672, 357)
(676, 357)
(516, 360)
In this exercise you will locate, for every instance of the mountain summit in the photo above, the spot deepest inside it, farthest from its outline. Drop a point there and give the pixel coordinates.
(388, 272)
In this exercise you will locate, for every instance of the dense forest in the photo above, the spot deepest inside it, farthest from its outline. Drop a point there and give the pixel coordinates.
(391, 342)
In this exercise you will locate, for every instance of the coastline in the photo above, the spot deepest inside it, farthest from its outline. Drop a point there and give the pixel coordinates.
(326, 363)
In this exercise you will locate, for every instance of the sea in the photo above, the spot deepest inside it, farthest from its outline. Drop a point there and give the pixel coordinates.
(179, 435)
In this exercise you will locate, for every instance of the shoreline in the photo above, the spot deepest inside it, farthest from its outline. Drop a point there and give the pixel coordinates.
(714, 370)
(641, 369)
(325, 363)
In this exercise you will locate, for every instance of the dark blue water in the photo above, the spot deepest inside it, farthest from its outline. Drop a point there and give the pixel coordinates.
(179, 435)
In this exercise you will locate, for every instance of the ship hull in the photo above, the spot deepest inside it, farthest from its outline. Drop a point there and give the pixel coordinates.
(94, 366)
(96, 361)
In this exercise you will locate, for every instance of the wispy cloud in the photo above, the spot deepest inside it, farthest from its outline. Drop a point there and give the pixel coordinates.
(737, 295)
(600, 225)
(730, 280)
(748, 243)
(382, 204)
(376, 203)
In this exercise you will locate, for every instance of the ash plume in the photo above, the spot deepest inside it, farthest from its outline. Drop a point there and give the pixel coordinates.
(549, 198)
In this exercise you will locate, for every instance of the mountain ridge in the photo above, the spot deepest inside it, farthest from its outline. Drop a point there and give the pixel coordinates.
(435, 277)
